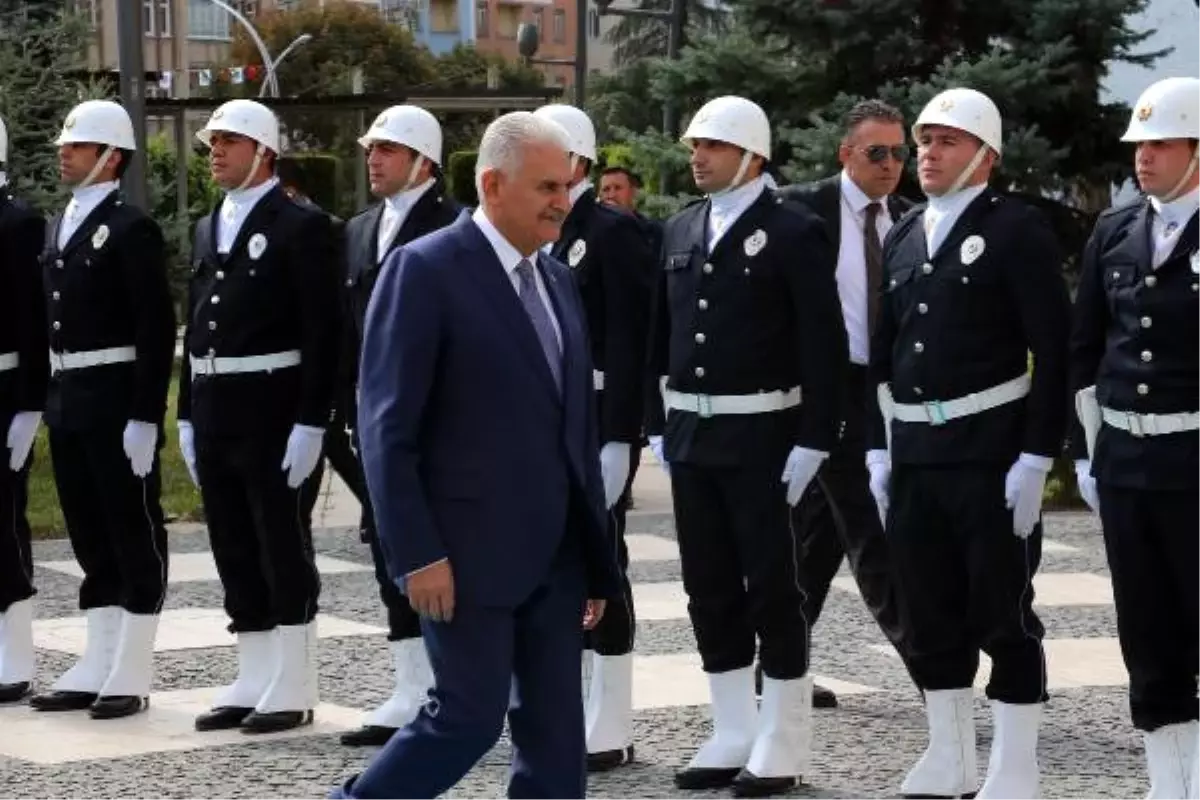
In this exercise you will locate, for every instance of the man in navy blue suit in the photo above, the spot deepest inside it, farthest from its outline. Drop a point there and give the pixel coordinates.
(478, 438)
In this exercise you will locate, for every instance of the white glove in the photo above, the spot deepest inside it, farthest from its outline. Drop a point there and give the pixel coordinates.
(801, 467)
(140, 440)
(187, 446)
(614, 471)
(656, 447)
(879, 464)
(303, 453)
(21, 432)
(1087, 484)
(1023, 490)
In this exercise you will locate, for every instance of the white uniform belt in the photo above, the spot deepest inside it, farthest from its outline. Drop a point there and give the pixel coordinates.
(714, 405)
(9, 361)
(1151, 424)
(598, 380)
(231, 365)
(91, 358)
(939, 412)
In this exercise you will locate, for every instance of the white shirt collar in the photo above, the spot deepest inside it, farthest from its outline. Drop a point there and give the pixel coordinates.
(952, 205)
(577, 191)
(246, 198)
(1179, 210)
(90, 196)
(509, 256)
(402, 201)
(735, 201)
(856, 198)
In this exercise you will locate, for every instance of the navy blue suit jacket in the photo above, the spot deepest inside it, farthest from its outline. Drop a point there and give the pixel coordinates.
(469, 450)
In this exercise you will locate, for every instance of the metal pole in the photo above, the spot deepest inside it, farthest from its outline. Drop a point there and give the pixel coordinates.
(361, 188)
(671, 107)
(258, 42)
(133, 97)
(581, 8)
(299, 40)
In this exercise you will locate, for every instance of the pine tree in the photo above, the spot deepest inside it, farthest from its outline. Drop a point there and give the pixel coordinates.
(637, 38)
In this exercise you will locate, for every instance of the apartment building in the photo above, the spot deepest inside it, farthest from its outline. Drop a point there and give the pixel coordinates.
(496, 23)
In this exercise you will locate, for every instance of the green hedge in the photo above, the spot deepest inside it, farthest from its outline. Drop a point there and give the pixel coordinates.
(460, 176)
(320, 177)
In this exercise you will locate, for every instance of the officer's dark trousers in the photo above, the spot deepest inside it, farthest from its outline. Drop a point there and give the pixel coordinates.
(114, 519)
(740, 559)
(1151, 538)
(838, 517)
(260, 538)
(966, 581)
(613, 636)
(16, 557)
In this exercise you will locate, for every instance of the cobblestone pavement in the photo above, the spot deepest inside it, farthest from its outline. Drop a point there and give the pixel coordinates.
(861, 749)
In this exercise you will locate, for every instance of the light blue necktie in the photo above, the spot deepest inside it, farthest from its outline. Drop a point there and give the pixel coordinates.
(540, 317)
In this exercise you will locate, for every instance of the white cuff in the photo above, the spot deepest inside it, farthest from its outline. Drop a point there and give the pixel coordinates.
(876, 457)
(1042, 463)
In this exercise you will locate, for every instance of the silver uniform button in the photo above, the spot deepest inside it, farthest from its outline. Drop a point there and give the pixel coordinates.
(212, 324)
(708, 268)
(699, 372)
(56, 295)
(1147, 322)
(918, 391)
(212, 351)
(699, 338)
(58, 263)
(919, 347)
(349, 281)
(1143, 389)
(922, 308)
(1151, 280)
(1147, 356)
(966, 279)
(702, 304)
(927, 268)
(220, 275)
(57, 325)
(216, 299)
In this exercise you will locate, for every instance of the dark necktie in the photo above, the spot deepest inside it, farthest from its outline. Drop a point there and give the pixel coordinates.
(540, 317)
(873, 251)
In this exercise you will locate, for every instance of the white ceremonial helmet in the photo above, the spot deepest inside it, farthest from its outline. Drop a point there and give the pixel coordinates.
(247, 118)
(410, 126)
(1168, 109)
(734, 120)
(100, 122)
(580, 132)
(967, 110)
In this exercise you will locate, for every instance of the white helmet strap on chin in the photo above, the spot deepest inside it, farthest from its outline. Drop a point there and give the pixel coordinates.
(738, 177)
(1177, 189)
(96, 168)
(969, 170)
(258, 157)
(418, 162)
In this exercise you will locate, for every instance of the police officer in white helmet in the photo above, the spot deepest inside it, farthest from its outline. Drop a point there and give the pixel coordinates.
(1134, 361)
(112, 341)
(612, 263)
(255, 395)
(404, 157)
(748, 332)
(23, 373)
(971, 285)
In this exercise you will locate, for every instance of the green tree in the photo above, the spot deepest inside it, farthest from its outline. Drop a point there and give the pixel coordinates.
(637, 38)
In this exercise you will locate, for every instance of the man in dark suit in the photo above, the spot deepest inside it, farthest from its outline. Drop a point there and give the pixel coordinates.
(972, 285)
(24, 370)
(112, 337)
(404, 153)
(478, 428)
(255, 394)
(748, 332)
(1133, 361)
(837, 517)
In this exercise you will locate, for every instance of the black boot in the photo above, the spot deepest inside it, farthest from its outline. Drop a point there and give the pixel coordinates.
(276, 721)
(62, 701)
(609, 759)
(368, 736)
(117, 706)
(700, 778)
(222, 718)
(12, 692)
(746, 784)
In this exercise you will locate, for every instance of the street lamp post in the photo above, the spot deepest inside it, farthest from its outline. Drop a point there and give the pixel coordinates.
(528, 37)
(258, 42)
(274, 65)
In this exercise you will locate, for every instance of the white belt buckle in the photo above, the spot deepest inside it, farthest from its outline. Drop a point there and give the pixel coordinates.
(56, 362)
(934, 412)
(704, 405)
(211, 361)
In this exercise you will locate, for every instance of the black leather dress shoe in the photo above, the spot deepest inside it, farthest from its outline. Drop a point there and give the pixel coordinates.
(824, 698)
(747, 784)
(62, 701)
(609, 759)
(700, 778)
(222, 718)
(276, 721)
(12, 692)
(117, 706)
(368, 736)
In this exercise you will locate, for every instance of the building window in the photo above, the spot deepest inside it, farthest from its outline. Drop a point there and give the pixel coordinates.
(481, 19)
(404, 13)
(443, 16)
(508, 17)
(207, 21)
(560, 25)
(594, 24)
(163, 19)
(148, 17)
(539, 22)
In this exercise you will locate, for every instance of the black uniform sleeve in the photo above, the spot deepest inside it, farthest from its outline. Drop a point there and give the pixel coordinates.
(26, 240)
(183, 401)
(1034, 280)
(658, 350)
(313, 267)
(628, 264)
(880, 367)
(143, 262)
(1086, 347)
(820, 337)
(349, 346)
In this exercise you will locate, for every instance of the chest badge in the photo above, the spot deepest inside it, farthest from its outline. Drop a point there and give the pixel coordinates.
(755, 242)
(99, 237)
(258, 245)
(1196, 262)
(971, 249)
(576, 253)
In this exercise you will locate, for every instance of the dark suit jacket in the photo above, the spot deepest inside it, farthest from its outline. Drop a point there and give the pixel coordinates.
(22, 307)
(470, 452)
(825, 198)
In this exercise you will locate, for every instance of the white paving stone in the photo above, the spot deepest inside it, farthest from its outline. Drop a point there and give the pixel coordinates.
(647, 547)
(1050, 589)
(676, 679)
(58, 738)
(193, 567)
(665, 600)
(180, 629)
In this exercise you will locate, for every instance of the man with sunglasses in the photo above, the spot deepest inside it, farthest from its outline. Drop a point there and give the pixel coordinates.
(837, 517)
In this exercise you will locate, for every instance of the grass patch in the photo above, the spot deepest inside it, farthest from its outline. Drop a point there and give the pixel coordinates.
(180, 499)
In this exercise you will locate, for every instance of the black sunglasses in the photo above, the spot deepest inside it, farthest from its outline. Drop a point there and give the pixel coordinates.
(876, 153)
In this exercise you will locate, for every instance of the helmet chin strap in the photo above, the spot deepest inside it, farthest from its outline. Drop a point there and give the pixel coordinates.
(258, 156)
(411, 182)
(99, 165)
(1177, 189)
(968, 171)
(738, 176)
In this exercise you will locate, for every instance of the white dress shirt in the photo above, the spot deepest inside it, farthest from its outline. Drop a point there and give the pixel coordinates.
(1169, 221)
(853, 288)
(510, 257)
(942, 212)
(724, 209)
(395, 210)
(236, 206)
(83, 202)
